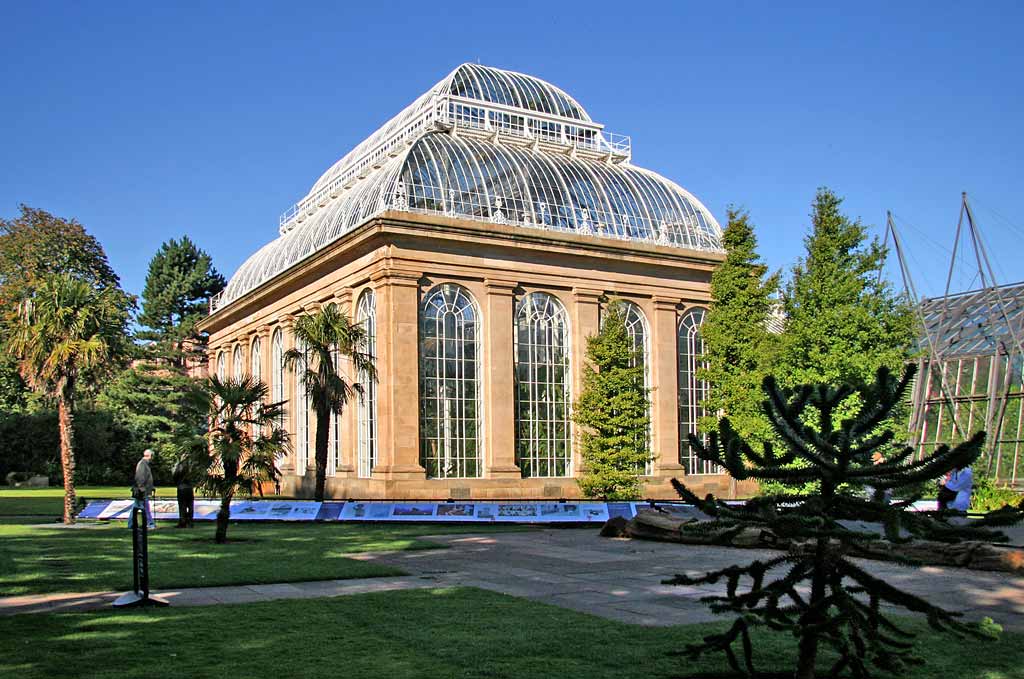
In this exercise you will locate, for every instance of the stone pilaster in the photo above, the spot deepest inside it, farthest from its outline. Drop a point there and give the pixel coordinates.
(586, 318)
(665, 390)
(499, 382)
(398, 376)
(349, 425)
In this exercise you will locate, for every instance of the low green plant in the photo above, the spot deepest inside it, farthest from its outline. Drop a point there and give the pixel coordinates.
(988, 495)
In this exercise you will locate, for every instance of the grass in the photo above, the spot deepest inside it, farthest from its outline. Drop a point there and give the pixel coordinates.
(38, 558)
(49, 502)
(441, 634)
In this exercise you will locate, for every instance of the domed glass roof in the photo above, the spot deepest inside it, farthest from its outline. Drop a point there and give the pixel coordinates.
(494, 146)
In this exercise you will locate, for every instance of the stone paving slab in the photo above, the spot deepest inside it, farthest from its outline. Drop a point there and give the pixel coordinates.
(618, 579)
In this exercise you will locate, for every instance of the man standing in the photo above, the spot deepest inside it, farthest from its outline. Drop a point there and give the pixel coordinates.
(143, 488)
(186, 494)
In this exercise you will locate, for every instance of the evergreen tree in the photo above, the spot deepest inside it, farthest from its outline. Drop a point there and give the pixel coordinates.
(826, 527)
(146, 399)
(738, 349)
(613, 412)
(179, 284)
(843, 320)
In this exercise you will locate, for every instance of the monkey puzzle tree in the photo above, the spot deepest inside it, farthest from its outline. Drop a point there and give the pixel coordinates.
(842, 610)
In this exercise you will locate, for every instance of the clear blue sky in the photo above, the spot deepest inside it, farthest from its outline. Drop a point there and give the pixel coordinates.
(147, 121)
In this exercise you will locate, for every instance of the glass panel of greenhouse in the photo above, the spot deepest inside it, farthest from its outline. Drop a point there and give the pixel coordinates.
(970, 377)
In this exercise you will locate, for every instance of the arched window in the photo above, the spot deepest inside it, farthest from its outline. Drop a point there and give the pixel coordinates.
(366, 314)
(636, 327)
(237, 369)
(255, 367)
(301, 413)
(222, 368)
(277, 366)
(692, 391)
(450, 417)
(334, 435)
(542, 386)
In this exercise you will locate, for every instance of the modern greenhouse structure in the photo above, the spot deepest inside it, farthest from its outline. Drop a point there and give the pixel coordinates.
(970, 377)
(477, 236)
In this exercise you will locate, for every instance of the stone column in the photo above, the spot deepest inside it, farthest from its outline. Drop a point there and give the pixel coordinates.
(665, 389)
(348, 427)
(499, 382)
(398, 407)
(263, 333)
(288, 465)
(310, 309)
(585, 316)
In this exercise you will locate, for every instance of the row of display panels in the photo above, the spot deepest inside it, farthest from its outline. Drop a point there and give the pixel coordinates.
(479, 512)
(305, 510)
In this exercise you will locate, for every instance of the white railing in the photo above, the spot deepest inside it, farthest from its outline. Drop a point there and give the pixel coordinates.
(471, 114)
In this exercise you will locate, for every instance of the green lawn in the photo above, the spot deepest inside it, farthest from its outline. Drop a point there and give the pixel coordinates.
(96, 557)
(49, 502)
(439, 634)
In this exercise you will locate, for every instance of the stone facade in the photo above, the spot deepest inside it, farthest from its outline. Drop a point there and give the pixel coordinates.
(403, 255)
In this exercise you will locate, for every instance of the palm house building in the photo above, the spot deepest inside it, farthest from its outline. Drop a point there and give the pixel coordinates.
(477, 236)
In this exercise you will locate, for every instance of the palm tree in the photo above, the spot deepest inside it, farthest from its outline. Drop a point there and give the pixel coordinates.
(322, 339)
(242, 440)
(69, 334)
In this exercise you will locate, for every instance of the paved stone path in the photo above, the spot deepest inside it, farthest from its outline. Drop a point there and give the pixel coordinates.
(574, 568)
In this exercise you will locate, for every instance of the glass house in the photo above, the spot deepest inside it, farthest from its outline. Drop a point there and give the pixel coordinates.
(477, 235)
(970, 377)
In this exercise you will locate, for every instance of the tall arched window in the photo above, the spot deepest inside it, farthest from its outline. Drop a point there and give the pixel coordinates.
(636, 327)
(542, 386)
(222, 367)
(366, 314)
(334, 435)
(450, 417)
(255, 367)
(301, 413)
(277, 366)
(237, 369)
(692, 391)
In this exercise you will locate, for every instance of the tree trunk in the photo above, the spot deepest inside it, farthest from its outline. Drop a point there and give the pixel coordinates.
(323, 424)
(66, 424)
(809, 641)
(223, 516)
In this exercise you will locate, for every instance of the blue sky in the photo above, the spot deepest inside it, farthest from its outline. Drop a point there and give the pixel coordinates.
(149, 121)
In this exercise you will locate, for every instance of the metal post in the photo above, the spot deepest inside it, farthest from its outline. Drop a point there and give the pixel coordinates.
(139, 596)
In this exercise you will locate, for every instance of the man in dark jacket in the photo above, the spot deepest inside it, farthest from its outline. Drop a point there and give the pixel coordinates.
(186, 495)
(143, 488)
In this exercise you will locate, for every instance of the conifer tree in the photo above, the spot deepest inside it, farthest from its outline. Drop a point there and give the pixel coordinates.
(613, 412)
(180, 281)
(738, 349)
(843, 321)
(843, 608)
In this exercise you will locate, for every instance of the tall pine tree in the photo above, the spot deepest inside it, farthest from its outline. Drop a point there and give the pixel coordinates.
(613, 412)
(844, 321)
(179, 284)
(738, 349)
